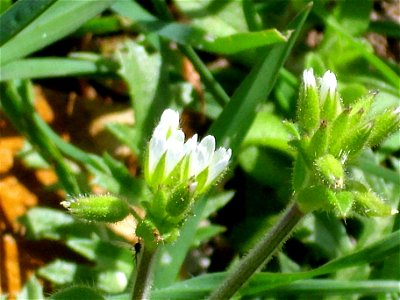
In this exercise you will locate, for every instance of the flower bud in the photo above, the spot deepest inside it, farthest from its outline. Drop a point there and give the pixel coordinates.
(330, 104)
(338, 129)
(308, 108)
(99, 208)
(319, 141)
(371, 205)
(330, 171)
(384, 125)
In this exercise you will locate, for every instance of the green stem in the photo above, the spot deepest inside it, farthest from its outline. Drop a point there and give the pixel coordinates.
(144, 273)
(260, 254)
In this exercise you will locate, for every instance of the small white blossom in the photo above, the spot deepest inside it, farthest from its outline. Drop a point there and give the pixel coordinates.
(167, 147)
(328, 86)
(309, 78)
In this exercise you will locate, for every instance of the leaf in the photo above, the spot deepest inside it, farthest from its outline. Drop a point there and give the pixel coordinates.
(77, 292)
(234, 122)
(199, 287)
(55, 67)
(19, 16)
(206, 232)
(31, 290)
(47, 223)
(60, 19)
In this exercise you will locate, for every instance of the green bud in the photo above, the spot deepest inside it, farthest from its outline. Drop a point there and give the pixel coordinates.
(319, 141)
(337, 132)
(179, 201)
(98, 208)
(308, 110)
(343, 202)
(384, 125)
(371, 205)
(330, 170)
(363, 105)
(329, 98)
(355, 141)
(314, 197)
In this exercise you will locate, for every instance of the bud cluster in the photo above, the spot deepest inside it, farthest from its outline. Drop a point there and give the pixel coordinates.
(327, 136)
(177, 172)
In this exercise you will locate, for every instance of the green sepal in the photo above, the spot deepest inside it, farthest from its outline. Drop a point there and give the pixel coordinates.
(300, 175)
(201, 180)
(342, 203)
(156, 178)
(98, 208)
(179, 201)
(292, 129)
(371, 205)
(355, 141)
(330, 170)
(319, 141)
(157, 205)
(384, 124)
(331, 107)
(308, 110)
(337, 132)
(363, 105)
(313, 198)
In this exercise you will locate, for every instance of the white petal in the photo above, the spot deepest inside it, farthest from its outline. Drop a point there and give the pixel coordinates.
(328, 85)
(174, 150)
(219, 163)
(202, 156)
(190, 145)
(309, 78)
(157, 148)
(170, 119)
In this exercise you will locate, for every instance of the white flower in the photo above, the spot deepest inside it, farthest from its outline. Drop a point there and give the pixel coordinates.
(328, 86)
(168, 154)
(168, 140)
(309, 78)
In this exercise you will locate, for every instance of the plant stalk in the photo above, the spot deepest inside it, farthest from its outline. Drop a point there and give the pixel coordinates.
(144, 273)
(260, 254)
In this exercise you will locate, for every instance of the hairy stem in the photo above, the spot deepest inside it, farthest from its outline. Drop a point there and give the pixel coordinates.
(144, 273)
(260, 254)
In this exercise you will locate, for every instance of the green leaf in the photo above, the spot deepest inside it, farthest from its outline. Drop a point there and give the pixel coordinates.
(146, 76)
(47, 223)
(234, 122)
(60, 19)
(21, 14)
(199, 287)
(269, 131)
(56, 67)
(205, 233)
(31, 290)
(77, 292)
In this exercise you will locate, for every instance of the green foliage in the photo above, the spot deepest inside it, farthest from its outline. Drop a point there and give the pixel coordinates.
(259, 48)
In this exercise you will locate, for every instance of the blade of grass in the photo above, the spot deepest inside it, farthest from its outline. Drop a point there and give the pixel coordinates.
(199, 287)
(56, 67)
(16, 100)
(59, 20)
(232, 125)
(18, 16)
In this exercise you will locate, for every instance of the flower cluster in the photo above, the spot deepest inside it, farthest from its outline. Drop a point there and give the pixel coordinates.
(171, 160)
(177, 172)
(327, 136)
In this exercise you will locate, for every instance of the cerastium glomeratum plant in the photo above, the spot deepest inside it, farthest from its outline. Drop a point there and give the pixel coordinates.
(177, 172)
(326, 137)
